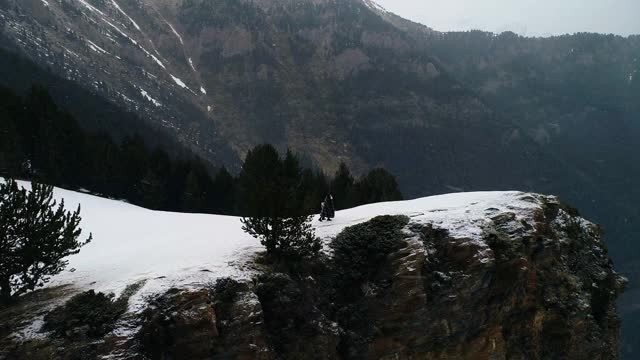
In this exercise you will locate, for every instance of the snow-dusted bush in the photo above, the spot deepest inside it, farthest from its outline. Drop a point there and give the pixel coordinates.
(359, 250)
(88, 314)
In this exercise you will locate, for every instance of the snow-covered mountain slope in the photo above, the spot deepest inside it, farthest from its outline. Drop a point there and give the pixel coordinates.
(476, 275)
(131, 243)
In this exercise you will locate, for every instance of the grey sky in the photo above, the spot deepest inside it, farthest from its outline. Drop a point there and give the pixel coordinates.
(526, 17)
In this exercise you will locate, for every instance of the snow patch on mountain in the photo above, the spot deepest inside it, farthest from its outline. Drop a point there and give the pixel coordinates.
(115, 4)
(374, 5)
(96, 48)
(149, 75)
(175, 32)
(90, 7)
(152, 100)
(153, 57)
(71, 52)
(125, 35)
(156, 59)
(179, 82)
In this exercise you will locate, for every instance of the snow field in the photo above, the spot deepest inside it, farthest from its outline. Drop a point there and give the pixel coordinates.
(132, 244)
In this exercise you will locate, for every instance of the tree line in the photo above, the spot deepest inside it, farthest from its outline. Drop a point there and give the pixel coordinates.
(42, 142)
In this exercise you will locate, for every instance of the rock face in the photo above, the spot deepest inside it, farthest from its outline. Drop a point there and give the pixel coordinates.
(177, 313)
(539, 287)
(543, 290)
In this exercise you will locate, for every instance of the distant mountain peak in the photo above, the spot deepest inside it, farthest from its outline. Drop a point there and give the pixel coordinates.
(374, 5)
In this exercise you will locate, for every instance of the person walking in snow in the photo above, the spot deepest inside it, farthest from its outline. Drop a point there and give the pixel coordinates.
(323, 211)
(331, 210)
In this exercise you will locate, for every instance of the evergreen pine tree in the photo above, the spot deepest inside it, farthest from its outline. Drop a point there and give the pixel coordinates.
(136, 161)
(261, 188)
(288, 239)
(270, 199)
(342, 188)
(10, 150)
(35, 238)
(311, 199)
(104, 172)
(152, 190)
(193, 199)
(292, 184)
(223, 193)
(378, 186)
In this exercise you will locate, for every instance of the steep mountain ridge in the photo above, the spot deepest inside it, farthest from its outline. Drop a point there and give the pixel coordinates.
(103, 48)
(314, 75)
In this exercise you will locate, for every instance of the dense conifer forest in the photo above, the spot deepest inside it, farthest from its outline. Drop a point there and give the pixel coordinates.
(40, 141)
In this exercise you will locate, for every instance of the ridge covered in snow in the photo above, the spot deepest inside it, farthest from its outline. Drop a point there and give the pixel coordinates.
(374, 5)
(132, 244)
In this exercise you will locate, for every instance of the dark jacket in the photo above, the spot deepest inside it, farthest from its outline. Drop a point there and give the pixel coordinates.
(331, 210)
(323, 211)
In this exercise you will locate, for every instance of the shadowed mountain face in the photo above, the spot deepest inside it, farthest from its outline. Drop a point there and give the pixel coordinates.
(333, 80)
(347, 81)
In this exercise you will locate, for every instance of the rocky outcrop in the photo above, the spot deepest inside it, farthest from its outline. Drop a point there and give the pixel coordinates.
(543, 289)
(540, 287)
(187, 325)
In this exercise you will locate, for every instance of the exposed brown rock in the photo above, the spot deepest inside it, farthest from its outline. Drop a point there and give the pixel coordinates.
(531, 296)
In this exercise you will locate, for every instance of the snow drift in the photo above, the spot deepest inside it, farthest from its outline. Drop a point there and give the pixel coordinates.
(132, 244)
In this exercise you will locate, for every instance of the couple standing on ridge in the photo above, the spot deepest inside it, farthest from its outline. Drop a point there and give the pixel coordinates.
(327, 211)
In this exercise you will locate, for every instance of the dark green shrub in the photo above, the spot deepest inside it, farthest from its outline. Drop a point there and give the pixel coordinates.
(289, 241)
(272, 201)
(551, 209)
(226, 289)
(179, 324)
(571, 210)
(359, 250)
(88, 314)
(360, 255)
(504, 249)
(225, 292)
(290, 314)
